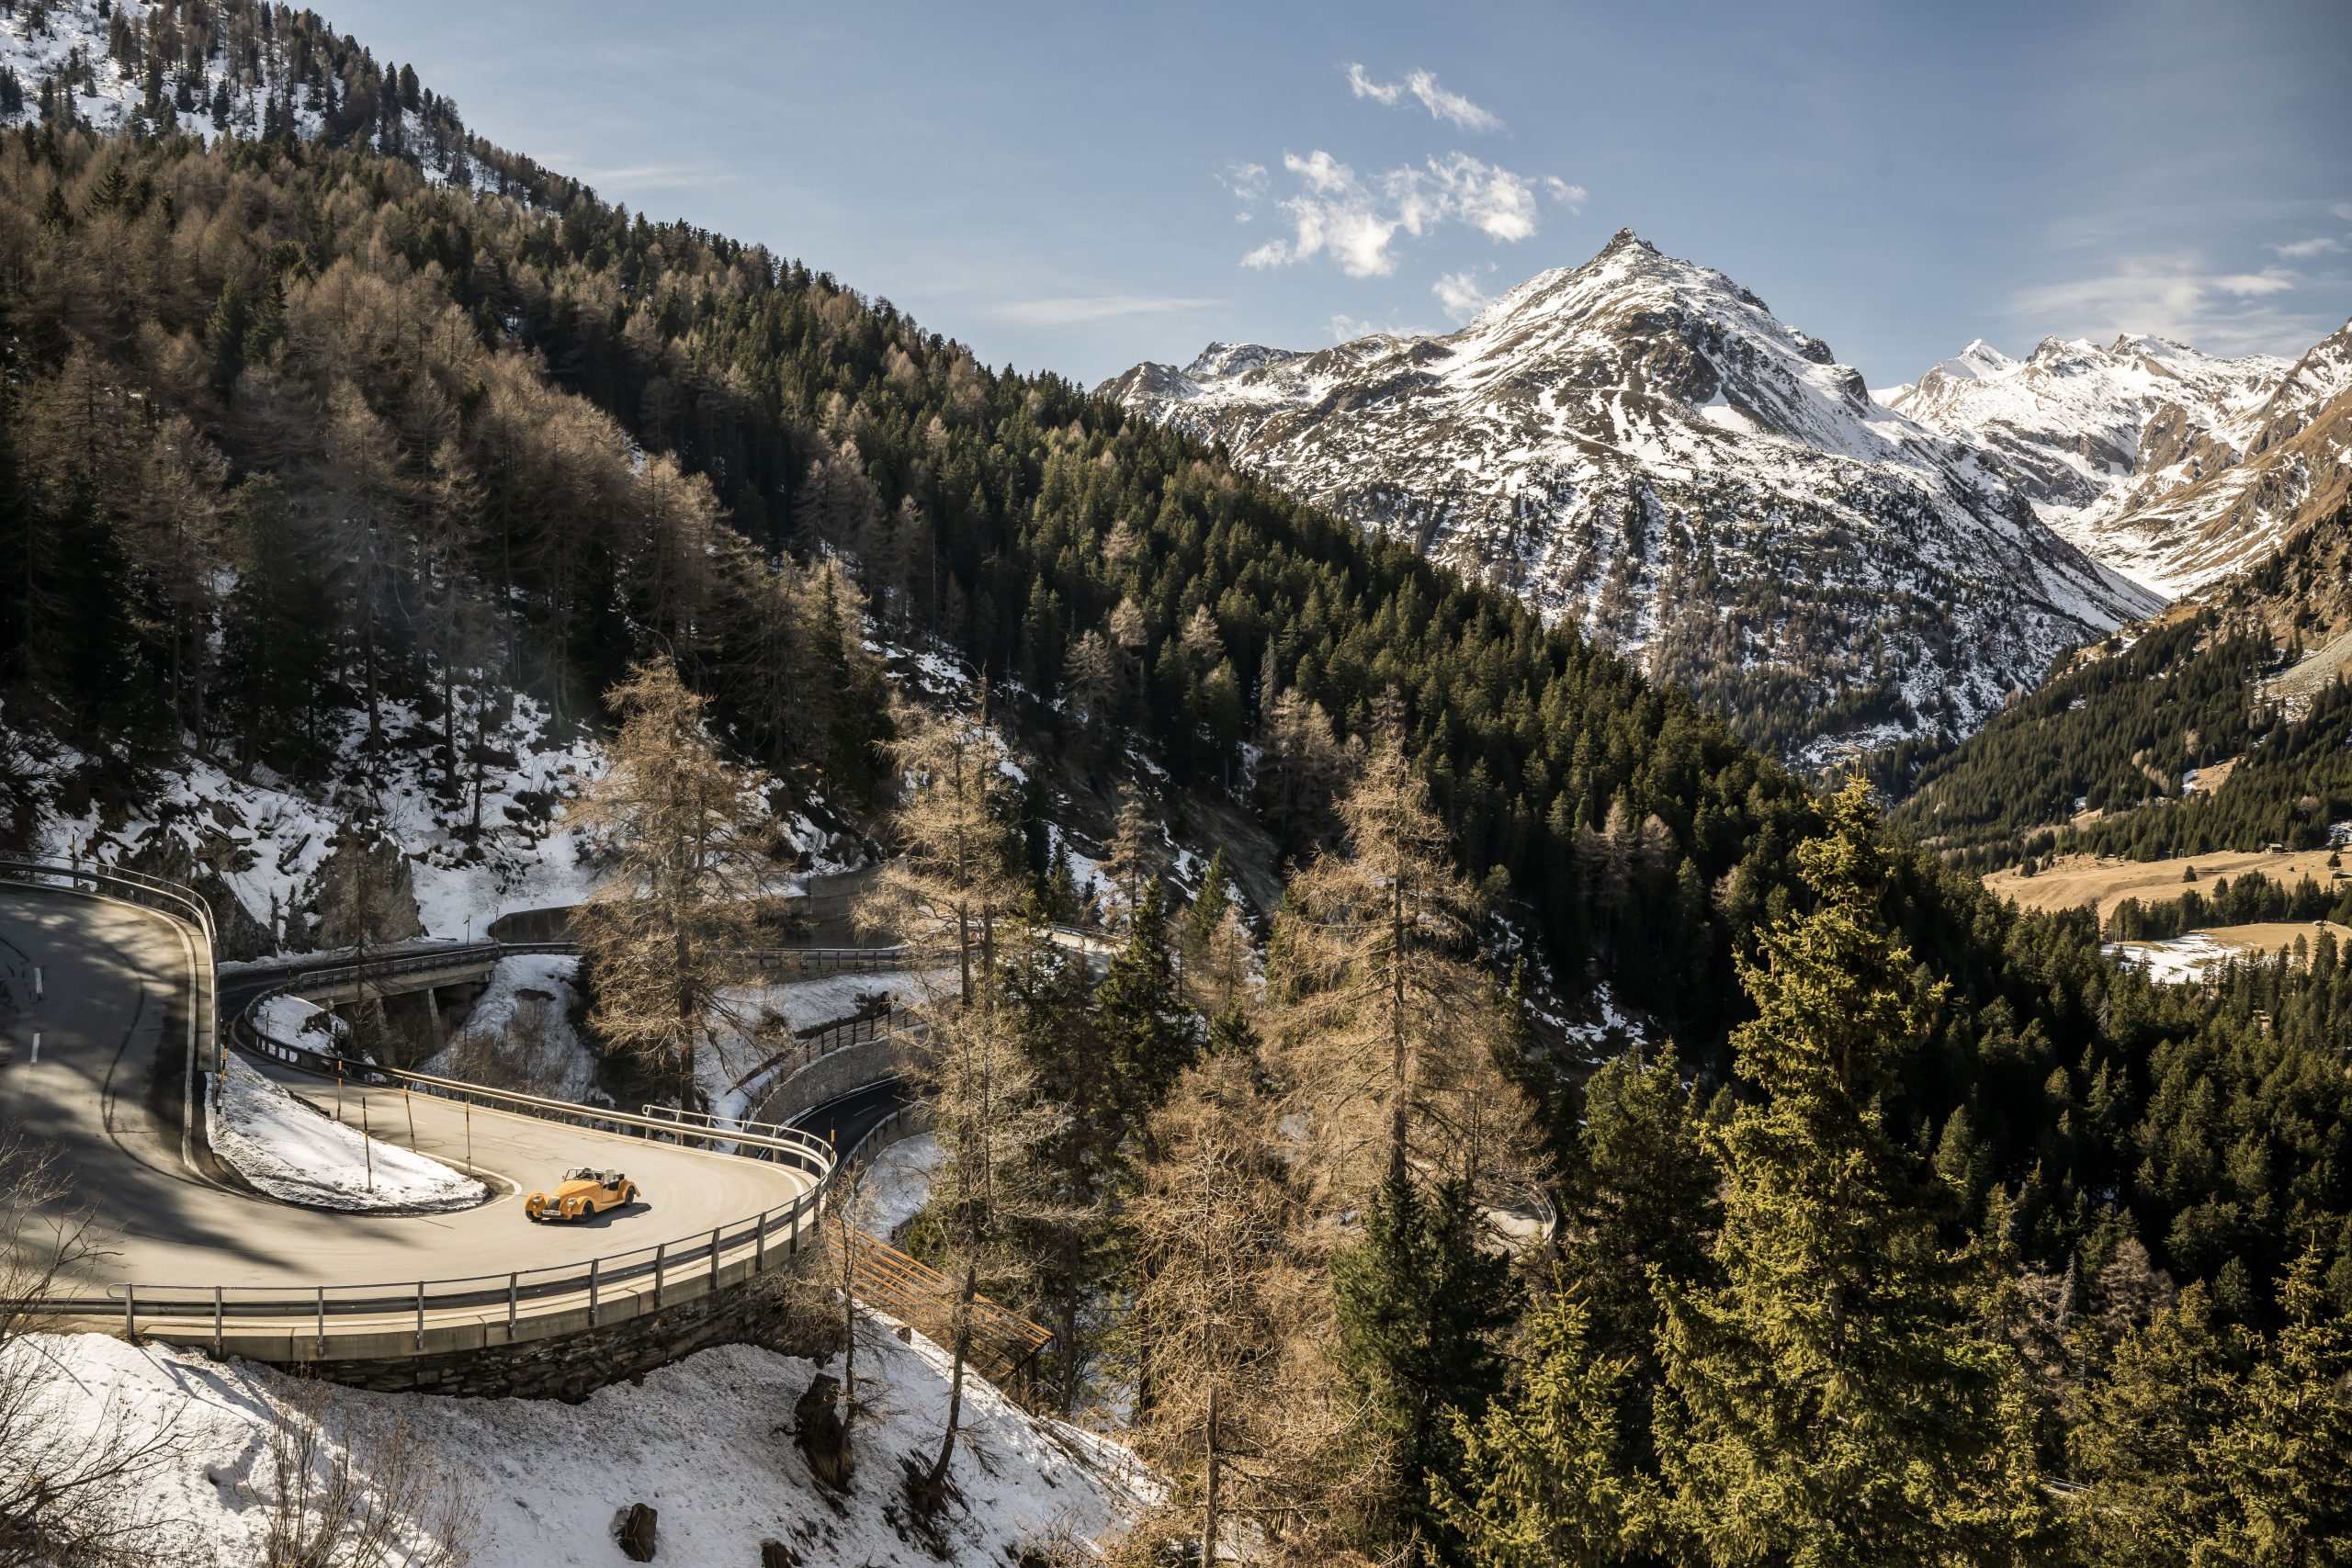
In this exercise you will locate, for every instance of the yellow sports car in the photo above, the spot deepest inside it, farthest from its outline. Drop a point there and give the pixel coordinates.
(581, 1193)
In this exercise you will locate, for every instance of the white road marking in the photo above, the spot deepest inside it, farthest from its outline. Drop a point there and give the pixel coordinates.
(36, 982)
(36, 1044)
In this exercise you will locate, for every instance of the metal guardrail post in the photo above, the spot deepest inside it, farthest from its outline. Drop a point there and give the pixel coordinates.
(592, 1293)
(714, 1258)
(659, 1250)
(322, 1320)
(420, 1315)
(216, 1321)
(760, 1243)
(510, 1306)
(131, 1312)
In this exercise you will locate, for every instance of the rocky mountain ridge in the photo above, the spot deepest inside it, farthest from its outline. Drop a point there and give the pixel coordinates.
(1638, 446)
(2176, 467)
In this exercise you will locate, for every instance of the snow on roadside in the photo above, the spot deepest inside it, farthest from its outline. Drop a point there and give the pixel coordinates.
(896, 1184)
(700, 1441)
(295, 1155)
(520, 1034)
(830, 997)
(287, 1020)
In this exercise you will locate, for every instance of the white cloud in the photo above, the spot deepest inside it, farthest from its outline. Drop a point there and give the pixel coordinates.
(1248, 184)
(2269, 280)
(1421, 85)
(1323, 174)
(1568, 196)
(1461, 294)
(1072, 310)
(654, 177)
(2303, 250)
(1246, 181)
(2178, 297)
(1353, 219)
(1345, 327)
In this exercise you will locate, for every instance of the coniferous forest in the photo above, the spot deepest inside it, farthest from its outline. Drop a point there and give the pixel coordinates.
(1921, 1232)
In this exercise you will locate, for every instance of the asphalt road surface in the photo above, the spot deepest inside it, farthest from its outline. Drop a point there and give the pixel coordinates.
(106, 1088)
(844, 1121)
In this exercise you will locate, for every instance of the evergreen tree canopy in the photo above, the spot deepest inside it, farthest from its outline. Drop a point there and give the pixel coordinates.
(1833, 1400)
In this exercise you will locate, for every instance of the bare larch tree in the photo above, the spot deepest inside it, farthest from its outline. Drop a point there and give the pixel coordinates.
(692, 848)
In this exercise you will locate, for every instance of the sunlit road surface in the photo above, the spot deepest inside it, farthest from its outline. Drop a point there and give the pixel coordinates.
(106, 1090)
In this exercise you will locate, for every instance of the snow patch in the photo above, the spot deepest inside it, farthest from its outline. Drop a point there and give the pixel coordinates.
(897, 1183)
(700, 1441)
(520, 1034)
(286, 1019)
(291, 1151)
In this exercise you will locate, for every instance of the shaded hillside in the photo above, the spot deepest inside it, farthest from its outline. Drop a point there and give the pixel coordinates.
(2224, 726)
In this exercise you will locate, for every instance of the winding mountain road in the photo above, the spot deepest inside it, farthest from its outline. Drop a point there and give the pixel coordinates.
(105, 1085)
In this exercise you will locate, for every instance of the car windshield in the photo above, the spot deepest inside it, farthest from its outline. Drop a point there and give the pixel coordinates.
(582, 1174)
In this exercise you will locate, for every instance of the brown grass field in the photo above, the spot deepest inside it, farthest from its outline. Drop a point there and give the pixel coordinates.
(2075, 881)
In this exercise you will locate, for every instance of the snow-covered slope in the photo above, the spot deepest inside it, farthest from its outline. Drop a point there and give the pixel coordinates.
(116, 65)
(705, 1441)
(1639, 447)
(288, 1150)
(2153, 457)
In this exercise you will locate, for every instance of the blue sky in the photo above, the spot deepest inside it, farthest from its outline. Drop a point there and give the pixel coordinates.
(1076, 188)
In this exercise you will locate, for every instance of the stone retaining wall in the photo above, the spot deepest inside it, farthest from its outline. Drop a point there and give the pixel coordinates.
(574, 1365)
(831, 1077)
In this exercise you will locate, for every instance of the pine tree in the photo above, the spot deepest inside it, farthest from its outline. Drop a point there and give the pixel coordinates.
(1214, 1312)
(1419, 1303)
(1146, 1029)
(986, 1194)
(277, 634)
(1639, 1205)
(2286, 1463)
(1042, 986)
(1835, 1399)
(1542, 1478)
(1130, 863)
(1216, 949)
(86, 648)
(2141, 1446)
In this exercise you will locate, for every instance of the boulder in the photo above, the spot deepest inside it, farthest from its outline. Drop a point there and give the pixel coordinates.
(636, 1533)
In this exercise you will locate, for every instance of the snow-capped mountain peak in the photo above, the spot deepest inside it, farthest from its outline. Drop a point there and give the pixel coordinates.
(2096, 435)
(1638, 445)
(1232, 358)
